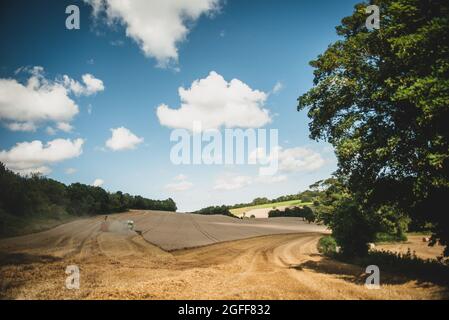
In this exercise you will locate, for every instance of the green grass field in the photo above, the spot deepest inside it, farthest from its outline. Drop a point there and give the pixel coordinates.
(239, 211)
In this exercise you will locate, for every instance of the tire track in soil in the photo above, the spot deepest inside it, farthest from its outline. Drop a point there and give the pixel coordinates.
(128, 266)
(202, 231)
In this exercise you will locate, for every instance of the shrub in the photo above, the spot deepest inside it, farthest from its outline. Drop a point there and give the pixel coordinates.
(308, 214)
(327, 246)
(352, 228)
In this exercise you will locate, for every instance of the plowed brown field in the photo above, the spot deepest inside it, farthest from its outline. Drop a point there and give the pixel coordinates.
(277, 260)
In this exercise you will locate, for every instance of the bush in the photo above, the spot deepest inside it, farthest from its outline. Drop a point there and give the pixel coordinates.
(352, 228)
(327, 246)
(308, 214)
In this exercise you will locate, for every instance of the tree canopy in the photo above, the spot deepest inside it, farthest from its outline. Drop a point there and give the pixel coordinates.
(28, 197)
(213, 210)
(381, 98)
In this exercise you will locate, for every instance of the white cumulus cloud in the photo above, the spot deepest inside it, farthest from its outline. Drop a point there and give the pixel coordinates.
(25, 106)
(123, 139)
(299, 159)
(91, 85)
(214, 102)
(157, 26)
(35, 156)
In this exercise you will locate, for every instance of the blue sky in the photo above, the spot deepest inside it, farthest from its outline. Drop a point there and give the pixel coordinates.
(261, 44)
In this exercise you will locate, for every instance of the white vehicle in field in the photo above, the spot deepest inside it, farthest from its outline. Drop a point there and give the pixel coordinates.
(130, 224)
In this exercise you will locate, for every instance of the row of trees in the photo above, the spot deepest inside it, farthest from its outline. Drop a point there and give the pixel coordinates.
(301, 212)
(223, 210)
(381, 98)
(37, 195)
(305, 196)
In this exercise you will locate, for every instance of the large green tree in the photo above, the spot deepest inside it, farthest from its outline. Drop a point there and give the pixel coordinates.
(381, 97)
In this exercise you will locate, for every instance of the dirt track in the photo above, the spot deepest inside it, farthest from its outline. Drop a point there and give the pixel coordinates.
(125, 265)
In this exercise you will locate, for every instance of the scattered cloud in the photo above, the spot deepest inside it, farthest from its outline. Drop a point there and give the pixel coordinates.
(234, 182)
(50, 131)
(91, 85)
(298, 159)
(24, 107)
(21, 126)
(180, 177)
(64, 126)
(123, 139)
(328, 149)
(157, 26)
(180, 184)
(70, 171)
(117, 43)
(98, 182)
(277, 87)
(271, 179)
(214, 102)
(230, 182)
(33, 157)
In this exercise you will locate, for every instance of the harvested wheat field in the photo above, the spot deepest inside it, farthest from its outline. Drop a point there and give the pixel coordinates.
(415, 245)
(181, 256)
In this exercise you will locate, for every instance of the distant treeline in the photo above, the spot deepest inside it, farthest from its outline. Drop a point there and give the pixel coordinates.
(305, 196)
(223, 210)
(36, 195)
(300, 212)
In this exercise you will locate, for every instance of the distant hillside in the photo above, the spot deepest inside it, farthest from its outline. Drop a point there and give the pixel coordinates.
(276, 205)
(34, 203)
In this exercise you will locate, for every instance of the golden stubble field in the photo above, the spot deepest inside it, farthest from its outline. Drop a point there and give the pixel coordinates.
(125, 265)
